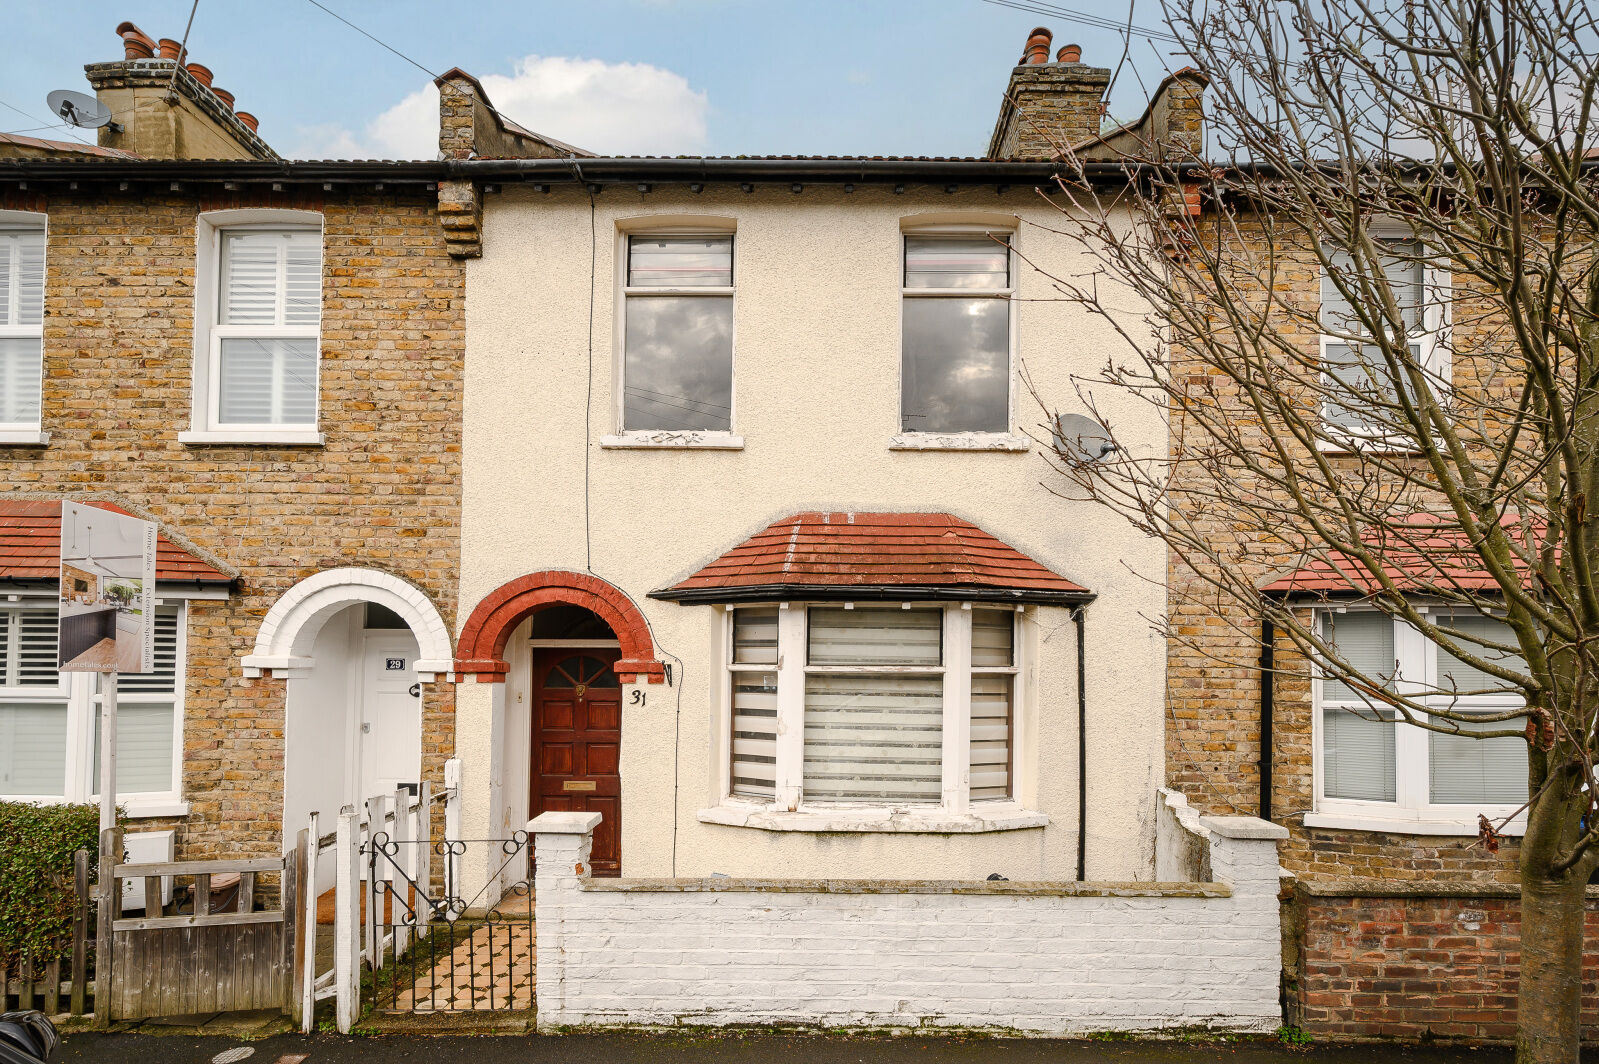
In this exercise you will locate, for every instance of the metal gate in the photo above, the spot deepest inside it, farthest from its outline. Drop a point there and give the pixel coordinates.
(433, 947)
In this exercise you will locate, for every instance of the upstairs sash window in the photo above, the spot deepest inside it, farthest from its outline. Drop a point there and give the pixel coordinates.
(955, 362)
(266, 337)
(677, 360)
(21, 326)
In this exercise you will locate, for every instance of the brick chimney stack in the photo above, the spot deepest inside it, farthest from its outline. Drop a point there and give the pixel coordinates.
(1048, 105)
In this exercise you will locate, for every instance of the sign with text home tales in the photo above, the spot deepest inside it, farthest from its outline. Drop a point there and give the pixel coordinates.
(107, 607)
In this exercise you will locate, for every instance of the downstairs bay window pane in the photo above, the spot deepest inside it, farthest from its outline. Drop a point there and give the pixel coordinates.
(993, 632)
(1467, 771)
(875, 637)
(33, 749)
(20, 379)
(990, 756)
(1456, 677)
(955, 371)
(144, 747)
(754, 740)
(873, 738)
(268, 381)
(677, 372)
(1357, 755)
(755, 637)
(1365, 639)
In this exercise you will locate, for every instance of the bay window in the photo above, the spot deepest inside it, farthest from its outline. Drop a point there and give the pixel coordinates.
(887, 707)
(50, 721)
(1369, 763)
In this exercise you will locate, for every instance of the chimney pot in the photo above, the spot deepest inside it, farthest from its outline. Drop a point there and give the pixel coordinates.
(224, 95)
(1037, 50)
(248, 119)
(1069, 53)
(136, 44)
(202, 74)
(170, 48)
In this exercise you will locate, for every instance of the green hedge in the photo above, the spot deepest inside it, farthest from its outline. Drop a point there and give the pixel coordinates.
(36, 890)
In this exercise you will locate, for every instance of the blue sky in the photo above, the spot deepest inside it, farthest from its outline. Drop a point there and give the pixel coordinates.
(885, 77)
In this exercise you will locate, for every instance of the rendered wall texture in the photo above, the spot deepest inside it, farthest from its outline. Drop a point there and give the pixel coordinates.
(816, 367)
(1034, 958)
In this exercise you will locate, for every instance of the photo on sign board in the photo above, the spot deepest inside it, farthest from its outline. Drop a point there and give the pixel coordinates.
(107, 605)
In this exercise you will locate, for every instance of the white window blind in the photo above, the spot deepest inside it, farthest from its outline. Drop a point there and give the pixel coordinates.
(33, 706)
(1457, 678)
(145, 705)
(266, 336)
(21, 325)
(993, 680)
(1365, 639)
(872, 734)
(1357, 754)
(1473, 771)
(754, 732)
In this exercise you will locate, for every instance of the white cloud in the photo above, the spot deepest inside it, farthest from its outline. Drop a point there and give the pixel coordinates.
(609, 108)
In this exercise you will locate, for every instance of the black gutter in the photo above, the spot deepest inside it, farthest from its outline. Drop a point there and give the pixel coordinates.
(1268, 690)
(563, 170)
(869, 593)
(1082, 750)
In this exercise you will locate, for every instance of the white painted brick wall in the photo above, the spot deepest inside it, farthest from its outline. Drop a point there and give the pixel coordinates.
(908, 955)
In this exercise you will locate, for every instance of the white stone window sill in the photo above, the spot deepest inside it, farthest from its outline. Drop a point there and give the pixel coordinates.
(960, 441)
(981, 818)
(673, 441)
(24, 438)
(253, 438)
(1403, 825)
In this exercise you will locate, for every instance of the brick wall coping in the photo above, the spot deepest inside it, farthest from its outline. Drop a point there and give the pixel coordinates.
(1377, 888)
(714, 884)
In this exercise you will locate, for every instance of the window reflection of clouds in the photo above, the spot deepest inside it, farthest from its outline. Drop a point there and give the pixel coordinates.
(956, 366)
(678, 365)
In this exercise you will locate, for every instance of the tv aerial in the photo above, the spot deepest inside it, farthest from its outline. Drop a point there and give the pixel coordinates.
(1081, 440)
(81, 110)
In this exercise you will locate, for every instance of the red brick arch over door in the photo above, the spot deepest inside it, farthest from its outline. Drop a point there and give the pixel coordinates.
(481, 648)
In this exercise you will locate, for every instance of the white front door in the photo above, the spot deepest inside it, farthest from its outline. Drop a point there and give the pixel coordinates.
(390, 741)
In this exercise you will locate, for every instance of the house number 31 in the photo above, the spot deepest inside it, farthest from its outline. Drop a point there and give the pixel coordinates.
(638, 699)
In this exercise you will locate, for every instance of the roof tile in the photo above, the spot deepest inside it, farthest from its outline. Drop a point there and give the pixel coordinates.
(30, 546)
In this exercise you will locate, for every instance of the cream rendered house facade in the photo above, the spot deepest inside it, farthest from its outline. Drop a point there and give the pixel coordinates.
(721, 418)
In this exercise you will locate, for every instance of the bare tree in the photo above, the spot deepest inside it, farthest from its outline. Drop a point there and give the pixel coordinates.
(1376, 311)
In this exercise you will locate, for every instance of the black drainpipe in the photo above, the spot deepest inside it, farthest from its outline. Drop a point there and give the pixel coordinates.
(1082, 750)
(1268, 644)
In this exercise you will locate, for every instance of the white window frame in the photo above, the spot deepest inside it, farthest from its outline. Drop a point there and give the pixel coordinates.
(790, 811)
(622, 437)
(11, 223)
(1411, 812)
(205, 424)
(1432, 339)
(79, 694)
(971, 440)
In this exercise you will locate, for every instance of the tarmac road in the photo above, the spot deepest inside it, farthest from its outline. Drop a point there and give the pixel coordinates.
(737, 1048)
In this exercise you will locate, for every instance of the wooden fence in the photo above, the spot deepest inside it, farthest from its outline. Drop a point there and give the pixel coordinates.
(47, 986)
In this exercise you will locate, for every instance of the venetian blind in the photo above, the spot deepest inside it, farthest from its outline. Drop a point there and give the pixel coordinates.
(1464, 770)
(871, 734)
(1358, 745)
(271, 305)
(21, 312)
(993, 638)
(33, 729)
(754, 732)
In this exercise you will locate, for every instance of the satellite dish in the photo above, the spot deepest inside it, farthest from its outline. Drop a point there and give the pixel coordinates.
(80, 109)
(1081, 439)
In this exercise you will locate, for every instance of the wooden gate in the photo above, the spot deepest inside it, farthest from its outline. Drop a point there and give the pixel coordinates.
(199, 952)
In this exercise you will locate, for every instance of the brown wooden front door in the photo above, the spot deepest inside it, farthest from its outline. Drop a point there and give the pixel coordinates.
(577, 742)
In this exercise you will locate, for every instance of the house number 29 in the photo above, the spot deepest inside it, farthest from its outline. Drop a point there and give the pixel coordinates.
(638, 699)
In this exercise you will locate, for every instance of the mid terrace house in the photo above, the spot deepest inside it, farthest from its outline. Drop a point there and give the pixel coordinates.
(265, 358)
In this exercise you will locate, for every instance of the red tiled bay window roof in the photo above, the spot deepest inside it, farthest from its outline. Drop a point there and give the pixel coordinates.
(846, 556)
(30, 546)
(1418, 554)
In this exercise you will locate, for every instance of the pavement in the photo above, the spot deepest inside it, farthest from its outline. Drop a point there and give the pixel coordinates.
(734, 1048)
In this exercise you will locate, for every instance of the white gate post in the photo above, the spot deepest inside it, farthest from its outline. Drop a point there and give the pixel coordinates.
(423, 868)
(375, 816)
(347, 914)
(405, 862)
(308, 959)
(452, 822)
